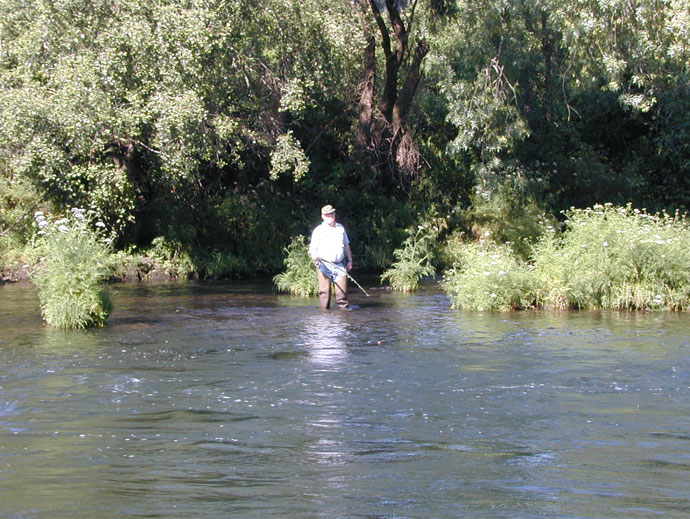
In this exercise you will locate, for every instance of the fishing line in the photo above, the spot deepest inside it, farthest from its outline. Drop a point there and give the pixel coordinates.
(346, 273)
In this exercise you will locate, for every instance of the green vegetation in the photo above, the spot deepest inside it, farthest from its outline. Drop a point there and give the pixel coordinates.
(206, 135)
(299, 277)
(414, 261)
(607, 257)
(488, 277)
(72, 261)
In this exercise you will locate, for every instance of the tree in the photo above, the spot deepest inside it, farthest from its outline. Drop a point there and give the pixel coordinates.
(383, 130)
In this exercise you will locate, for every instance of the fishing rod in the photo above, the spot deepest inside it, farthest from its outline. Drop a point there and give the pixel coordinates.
(346, 273)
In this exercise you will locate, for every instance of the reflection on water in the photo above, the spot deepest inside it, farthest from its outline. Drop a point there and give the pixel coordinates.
(226, 400)
(324, 336)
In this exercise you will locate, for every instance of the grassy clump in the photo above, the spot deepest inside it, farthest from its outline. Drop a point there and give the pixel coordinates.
(71, 262)
(607, 257)
(299, 277)
(414, 261)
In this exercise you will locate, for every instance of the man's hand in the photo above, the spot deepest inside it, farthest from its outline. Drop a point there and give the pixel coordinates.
(349, 265)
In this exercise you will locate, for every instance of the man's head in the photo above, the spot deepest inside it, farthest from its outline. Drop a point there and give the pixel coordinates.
(328, 214)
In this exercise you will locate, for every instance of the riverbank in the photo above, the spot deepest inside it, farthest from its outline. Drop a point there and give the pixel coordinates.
(132, 268)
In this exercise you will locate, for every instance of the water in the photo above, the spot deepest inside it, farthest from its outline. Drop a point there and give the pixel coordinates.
(226, 400)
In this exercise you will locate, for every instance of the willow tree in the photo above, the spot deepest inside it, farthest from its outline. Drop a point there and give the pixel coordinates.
(637, 52)
(134, 108)
(383, 131)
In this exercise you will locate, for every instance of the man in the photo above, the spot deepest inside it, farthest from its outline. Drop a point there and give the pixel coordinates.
(330, 250)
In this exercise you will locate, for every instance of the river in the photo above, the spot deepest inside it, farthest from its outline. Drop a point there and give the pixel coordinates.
(217, 400)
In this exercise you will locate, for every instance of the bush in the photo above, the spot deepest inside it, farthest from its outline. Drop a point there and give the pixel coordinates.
(415, 260)
(617, 258)
(224, 265)
(71, 261)
(299, 277)
(608, 257)
(170, 257)
(509, 214)
(488, 277)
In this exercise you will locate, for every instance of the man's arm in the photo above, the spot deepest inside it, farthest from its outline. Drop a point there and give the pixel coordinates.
(313, 243)
(348, 255)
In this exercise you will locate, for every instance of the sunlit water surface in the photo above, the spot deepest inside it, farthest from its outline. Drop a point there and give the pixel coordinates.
(227, 400)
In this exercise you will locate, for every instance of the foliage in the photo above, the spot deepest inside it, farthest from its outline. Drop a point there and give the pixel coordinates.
(73, 259)
(616, 257)
(415, 260)
(171, 258)
(487, 277)
(223, 264)
(288, 157)
(509, 214)
(191, 128)
(299, 277)
(607, 257)
(18, 202)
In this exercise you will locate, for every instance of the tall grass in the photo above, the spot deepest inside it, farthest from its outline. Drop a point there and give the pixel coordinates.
(299, 277)
(71, 261)
(606, 257)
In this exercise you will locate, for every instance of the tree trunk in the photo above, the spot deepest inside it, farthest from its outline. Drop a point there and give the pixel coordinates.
(383, 130)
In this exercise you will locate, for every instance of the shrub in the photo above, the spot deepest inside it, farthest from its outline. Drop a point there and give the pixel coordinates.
(223, 265)
(509, 213)
(415, 260)
(299, 277)
(170, 256)
(608, 257)
(71, 261)
(488, 276)
(618, 258)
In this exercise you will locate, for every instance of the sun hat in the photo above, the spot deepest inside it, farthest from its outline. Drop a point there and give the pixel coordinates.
(327, 209)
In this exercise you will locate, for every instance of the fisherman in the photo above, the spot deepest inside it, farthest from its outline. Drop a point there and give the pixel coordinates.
(330, 250)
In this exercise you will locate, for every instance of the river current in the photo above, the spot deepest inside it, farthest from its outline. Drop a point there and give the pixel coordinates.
(218, 400)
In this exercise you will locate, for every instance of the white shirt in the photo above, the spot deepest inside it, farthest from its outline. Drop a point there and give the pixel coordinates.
(328, 242)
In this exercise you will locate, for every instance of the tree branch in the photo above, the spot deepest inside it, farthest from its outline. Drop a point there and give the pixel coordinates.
(386, 44)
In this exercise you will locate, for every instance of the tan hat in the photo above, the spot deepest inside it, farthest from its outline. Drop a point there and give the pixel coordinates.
(327, 209)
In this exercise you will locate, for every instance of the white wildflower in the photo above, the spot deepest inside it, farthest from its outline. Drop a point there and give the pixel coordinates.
(38, 213)
(63, 228)
(501, 272)
(606, 244)
(100, 224)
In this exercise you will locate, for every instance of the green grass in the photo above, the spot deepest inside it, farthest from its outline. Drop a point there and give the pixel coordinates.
(488, 277)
